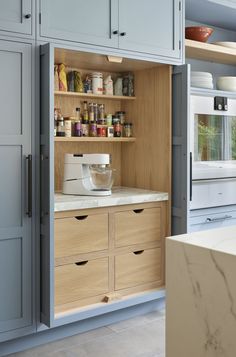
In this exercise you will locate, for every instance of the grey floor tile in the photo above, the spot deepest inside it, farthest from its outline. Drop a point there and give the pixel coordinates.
(142, 336)
(147, 339)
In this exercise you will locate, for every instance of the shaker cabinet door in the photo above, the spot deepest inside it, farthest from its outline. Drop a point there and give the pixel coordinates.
(15, 190)
(16, 16)
(90, 21)
(151, 26)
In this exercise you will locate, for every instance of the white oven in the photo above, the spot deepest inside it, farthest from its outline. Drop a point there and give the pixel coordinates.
(213, 152)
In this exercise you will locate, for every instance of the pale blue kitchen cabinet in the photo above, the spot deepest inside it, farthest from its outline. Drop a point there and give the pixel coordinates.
(16, 17)
(16, 237)
(151, 29)
(82, 21)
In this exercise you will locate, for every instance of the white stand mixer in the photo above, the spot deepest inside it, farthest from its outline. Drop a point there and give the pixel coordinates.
(79, 178)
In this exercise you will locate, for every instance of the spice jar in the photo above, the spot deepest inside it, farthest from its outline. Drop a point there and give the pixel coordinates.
(60, 126)
(68, 128)
(93, 129)
(97, 82)
(101, 119)
(121, 116)
(128, 130)
(117, 130)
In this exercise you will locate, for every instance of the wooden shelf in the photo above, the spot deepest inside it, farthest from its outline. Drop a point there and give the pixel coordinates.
(90, 95)
(94, 139)
(209, 52)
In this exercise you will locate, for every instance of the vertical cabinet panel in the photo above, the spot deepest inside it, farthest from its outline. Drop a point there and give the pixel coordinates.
(16, 16)
(15, 224)
(155, 27)
(81, 21)
(47, 184)
(180, 150)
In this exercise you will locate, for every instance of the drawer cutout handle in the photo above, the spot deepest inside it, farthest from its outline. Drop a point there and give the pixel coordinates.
(138, 252)
(81, 263)
(138, 210)
(81, 218)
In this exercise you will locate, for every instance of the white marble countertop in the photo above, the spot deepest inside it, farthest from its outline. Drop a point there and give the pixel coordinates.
(119, 196)
(219, 239)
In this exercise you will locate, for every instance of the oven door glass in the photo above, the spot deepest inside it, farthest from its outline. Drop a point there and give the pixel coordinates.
(214, 137)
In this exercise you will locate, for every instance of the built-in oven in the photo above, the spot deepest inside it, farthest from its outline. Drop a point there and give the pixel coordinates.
(213, 151)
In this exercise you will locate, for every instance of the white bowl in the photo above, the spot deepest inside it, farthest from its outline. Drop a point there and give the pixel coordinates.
(203, 85)
(226, 44)
(226, 84)
(196, 74)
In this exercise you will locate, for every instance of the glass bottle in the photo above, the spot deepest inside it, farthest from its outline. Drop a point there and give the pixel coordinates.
(85, 113)
(78, 125)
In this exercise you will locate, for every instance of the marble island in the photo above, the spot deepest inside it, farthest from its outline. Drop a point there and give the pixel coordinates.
(119, 196)
(201, 294)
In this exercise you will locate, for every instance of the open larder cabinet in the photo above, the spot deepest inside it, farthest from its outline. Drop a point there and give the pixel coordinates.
(141, 161)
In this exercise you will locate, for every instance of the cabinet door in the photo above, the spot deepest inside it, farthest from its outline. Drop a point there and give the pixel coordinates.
(152, 26)
(15, 220)
(16, 16)
(181, 165)
(87, 21)
(47, 183)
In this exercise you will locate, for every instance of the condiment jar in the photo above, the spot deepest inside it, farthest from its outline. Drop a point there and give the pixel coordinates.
(68, 128)
(128, 130)
(93, 129)
(108, 85)
(97, 82)
(117, 130)
(118, 88)
(60, 126)
(121, 116)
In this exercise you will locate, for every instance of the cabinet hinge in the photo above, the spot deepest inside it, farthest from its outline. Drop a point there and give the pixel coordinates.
(40, 18)
(179, 5)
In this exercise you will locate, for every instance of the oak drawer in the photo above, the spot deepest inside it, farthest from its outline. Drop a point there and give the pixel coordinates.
(81, 280)
(137, 226)
(80, 234)
(138, 267)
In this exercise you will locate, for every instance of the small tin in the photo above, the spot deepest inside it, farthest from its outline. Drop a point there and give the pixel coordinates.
(85, 130)
(93, 129)
(110, 131)
(102, 131)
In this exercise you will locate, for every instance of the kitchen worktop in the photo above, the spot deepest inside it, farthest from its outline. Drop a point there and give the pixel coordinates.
(119, 196)
(201, 293)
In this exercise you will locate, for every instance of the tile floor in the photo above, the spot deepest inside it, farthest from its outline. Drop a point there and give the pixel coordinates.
(142, 336)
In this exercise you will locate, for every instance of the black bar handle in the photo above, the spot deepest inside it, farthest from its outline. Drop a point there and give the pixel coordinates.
(123, 34)
(28, 16)
(29, 210)
(81, 218)
(191, 175)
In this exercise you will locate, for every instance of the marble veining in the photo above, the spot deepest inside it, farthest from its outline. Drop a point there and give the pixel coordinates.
(119, 196)
(201, 294)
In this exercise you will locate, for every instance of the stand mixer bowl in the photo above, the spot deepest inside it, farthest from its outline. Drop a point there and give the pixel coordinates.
(102, 176)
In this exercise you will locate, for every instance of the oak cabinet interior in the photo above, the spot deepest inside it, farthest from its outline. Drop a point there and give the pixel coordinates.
(110, 236)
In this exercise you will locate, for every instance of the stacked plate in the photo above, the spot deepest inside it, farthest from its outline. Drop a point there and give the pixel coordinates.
(202, 80)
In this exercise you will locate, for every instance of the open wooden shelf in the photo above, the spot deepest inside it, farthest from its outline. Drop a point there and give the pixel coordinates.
(209, 52)
(91, 95)
(94, 139)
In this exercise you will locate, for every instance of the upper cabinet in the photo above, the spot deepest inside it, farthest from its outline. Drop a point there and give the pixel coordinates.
(150, 29)
(16, 17)
(80, 21)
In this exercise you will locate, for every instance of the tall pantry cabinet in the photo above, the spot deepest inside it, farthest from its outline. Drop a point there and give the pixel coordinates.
(64, 30)
(16, 170)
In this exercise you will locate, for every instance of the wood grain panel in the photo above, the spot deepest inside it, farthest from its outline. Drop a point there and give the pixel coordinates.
(76, 236)
(137, 226)
(147, 162)
(74, 282)
(136, 269)
(87, 148)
